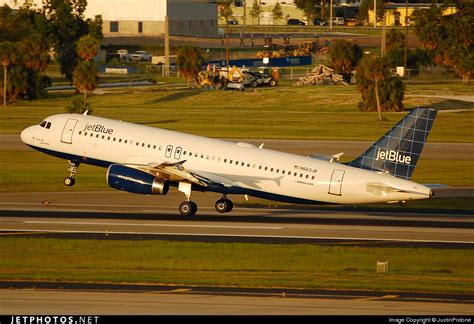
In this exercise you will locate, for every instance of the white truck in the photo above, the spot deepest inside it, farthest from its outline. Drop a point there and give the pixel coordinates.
(139, 56)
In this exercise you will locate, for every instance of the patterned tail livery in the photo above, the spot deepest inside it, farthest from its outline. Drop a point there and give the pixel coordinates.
(399, 149)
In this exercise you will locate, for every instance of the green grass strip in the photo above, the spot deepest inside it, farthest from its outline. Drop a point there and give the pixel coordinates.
(236, 264)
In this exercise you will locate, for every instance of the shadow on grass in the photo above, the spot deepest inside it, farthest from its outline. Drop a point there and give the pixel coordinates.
(182, 94)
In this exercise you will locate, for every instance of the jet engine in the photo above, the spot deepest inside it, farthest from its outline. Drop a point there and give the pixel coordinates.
(133, 180)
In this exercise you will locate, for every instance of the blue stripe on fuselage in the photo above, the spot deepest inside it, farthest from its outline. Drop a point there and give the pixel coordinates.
(213, 188)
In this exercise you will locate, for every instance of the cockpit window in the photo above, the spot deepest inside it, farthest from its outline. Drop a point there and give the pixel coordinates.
(45, 124)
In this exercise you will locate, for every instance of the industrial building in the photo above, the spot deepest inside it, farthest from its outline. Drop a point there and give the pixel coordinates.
(147, 17)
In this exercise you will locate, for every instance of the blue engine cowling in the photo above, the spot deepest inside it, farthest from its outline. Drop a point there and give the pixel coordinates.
(132, 180)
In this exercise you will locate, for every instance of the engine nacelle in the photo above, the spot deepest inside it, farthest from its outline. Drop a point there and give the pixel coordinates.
(132, 180)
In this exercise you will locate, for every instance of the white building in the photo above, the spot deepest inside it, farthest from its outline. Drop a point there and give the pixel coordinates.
(147, 17)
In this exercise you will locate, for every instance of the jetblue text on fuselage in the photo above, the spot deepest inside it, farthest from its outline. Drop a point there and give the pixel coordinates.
(98, 128)
(393, 156)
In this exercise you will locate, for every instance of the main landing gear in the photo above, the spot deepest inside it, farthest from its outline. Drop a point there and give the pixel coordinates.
(224, 205)
(189, 208)
(70, 181)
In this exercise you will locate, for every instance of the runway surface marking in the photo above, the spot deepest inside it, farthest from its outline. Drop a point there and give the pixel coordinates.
(155, 225)
(106, 232)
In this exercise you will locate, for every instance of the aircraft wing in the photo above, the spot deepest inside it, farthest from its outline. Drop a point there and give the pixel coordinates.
(170, 171)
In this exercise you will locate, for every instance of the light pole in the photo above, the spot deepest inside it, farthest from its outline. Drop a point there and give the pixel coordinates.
(406, 35)
(330, 15)
(375, 13)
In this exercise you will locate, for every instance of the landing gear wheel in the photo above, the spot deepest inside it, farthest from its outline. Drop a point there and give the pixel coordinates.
(224, 205)
(68, 181)
(188, 208)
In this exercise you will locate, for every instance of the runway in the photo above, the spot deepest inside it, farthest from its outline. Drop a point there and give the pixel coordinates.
(118, 215)
(182, 302)
(122, 215)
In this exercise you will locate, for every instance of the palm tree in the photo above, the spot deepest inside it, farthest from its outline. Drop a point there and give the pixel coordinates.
(85, 78)
(87, 47)
(378, 88)
(189, 62)
(344, 56)
(7, 57)
(85, 75)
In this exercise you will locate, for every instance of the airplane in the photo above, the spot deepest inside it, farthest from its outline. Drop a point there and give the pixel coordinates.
(147, 160)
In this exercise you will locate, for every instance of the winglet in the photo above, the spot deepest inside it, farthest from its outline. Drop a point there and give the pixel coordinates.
(86, 112)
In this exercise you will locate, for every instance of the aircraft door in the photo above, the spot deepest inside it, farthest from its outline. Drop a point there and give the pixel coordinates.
(177, 153)
(66, 136)
(336, 182)
(169, 150)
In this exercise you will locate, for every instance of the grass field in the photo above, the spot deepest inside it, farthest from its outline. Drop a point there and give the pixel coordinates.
(236, 264)
(287, 112)
(283, 112)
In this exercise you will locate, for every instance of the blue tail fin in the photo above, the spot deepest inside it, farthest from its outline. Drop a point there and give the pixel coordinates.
(399, 149)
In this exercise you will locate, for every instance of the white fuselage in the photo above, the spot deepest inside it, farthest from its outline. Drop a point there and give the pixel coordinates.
(253, 170)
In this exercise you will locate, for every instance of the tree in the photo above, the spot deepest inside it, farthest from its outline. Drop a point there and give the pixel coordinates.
(308, 7)
(256, 11)
(66, 24)
(85, 75)
(449, 38)
(24, 54)
(277, 12)
(379, 90)
(87, 47)
(189, 62)
(85, 78)
(395, 47)
(225, 11)
(368, 5)
(7, 57)
(344, 56)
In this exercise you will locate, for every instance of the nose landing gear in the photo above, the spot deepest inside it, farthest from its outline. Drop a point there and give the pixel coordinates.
(70, 181)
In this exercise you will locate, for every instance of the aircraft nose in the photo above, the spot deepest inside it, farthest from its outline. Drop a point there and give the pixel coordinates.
(27, 135)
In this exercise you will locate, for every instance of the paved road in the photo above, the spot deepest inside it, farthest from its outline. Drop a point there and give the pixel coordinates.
(61, 302)
(120, 214)
(432, 151)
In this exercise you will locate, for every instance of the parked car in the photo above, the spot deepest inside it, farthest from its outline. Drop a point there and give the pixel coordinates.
(319, 22)
(233, 22)
(122, 53)
(338, 21)
(140, 56)
(295, 22)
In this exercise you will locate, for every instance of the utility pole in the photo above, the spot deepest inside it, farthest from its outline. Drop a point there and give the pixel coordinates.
(384, 34)
(375, 13)
(167, 48)
(245, 12)
(5, 84)
(330, 16)
(227, 44)
(405, 59)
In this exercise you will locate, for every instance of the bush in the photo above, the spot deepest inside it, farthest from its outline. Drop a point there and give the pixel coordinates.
(78, 107)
